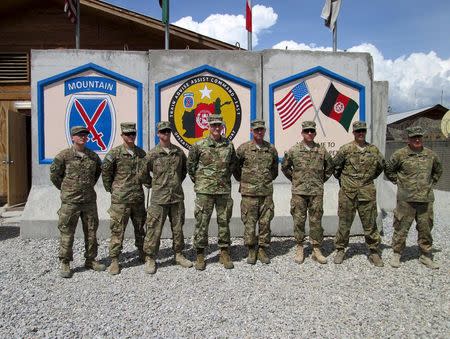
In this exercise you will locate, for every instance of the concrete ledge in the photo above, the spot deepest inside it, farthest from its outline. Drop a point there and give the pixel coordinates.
(39, 219)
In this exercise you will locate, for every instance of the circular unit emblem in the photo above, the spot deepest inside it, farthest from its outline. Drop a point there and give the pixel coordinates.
(339, 107)
(195, 100)
(445, 124)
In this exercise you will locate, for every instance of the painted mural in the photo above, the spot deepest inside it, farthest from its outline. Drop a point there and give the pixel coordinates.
(89, 96)
(329, 99)
(188, 99)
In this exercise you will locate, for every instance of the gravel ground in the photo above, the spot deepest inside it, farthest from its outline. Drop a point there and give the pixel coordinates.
(278, 300)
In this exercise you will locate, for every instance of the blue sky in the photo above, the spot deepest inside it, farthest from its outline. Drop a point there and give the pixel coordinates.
(408, 39)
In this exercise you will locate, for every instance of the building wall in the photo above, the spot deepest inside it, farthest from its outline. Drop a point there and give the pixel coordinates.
(40, 218)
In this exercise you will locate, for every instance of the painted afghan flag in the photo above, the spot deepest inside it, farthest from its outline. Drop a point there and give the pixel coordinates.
(339, 107)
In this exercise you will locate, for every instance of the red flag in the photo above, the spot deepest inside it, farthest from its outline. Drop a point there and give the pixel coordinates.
(70, 8)
(248, 16)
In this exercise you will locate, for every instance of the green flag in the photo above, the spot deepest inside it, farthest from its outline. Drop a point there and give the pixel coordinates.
(165, 11)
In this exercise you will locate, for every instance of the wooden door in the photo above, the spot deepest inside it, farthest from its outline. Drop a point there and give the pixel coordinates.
(17, 159)
(3, 152)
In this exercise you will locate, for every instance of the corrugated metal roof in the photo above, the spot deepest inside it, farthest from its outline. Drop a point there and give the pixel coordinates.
(403, 115)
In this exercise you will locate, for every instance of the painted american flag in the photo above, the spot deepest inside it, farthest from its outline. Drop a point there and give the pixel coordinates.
(293, 105)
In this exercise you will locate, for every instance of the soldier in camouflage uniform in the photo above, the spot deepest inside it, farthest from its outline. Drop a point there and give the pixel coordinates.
(211, 162)
(357, 164)
(120, 173)
(74, 172)
(308, 165)
(415, 169)
(167, 162)
(257, 168)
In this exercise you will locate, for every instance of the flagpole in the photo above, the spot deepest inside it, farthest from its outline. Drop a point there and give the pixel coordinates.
(249, 23)
(77, 29)
(316, 116)
(335, 37)
(167, 28)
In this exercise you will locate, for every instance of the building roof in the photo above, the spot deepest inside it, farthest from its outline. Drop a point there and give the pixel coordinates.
(157, 24)
(155, 27)
(397, 117)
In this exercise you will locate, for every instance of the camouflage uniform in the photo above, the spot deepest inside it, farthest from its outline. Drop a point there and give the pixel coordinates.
(120, 174)
(356, 170)
(169, 171)
(415, 174)
(210, 165)
(257, 168)
(308, 169)
(75, 175)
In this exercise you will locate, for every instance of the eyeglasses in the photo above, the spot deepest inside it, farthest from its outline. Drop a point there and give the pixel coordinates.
(361, 131)
(81, 135)
(165, 131)
(309, 131)
(130, 134)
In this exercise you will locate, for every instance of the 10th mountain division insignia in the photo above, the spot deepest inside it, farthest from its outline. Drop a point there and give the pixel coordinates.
(195, 100)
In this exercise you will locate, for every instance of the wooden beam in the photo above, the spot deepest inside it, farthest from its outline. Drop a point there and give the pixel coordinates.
(15, 92)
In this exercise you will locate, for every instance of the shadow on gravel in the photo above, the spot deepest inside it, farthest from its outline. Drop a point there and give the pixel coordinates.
(361, 249)
(9, 232)
(413, 253)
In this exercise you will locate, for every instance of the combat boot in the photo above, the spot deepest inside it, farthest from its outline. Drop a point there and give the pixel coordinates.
(200, 263)
(375, 259)
(225, 259)
(181, 260)
(395, 260)
(114, 268)
(318, 256)
(339, 257)
(150, 265)
(251, 259)
(427, 260)
(64, 269)
(93, 264)
(262, 256)
(141, 255)
(299, 255)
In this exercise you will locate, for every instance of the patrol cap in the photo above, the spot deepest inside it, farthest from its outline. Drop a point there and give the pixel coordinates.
(79, 130)
(258, 123)
(215, 119)
(415, 131)
(308, 125)
(359, 125)
(162, 125)
(128, 127)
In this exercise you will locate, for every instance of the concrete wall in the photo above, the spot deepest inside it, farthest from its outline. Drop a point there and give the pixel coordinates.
(39, 218)
(263, 68)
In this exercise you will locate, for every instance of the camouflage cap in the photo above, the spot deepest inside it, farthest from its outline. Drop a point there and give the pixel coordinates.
(215, 119)
(79, 130)
(258, 123)
(414, 131)
(359, 125)
(128, 127)
(162, 125)
(308, 125)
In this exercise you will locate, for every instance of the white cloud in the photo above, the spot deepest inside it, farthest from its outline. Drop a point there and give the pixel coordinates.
(231, 28)
(415, 81)
(292, 45)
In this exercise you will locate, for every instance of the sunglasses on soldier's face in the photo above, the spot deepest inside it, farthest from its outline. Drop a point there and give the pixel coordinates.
(130, 134)
(309, 131)
(165, 131)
